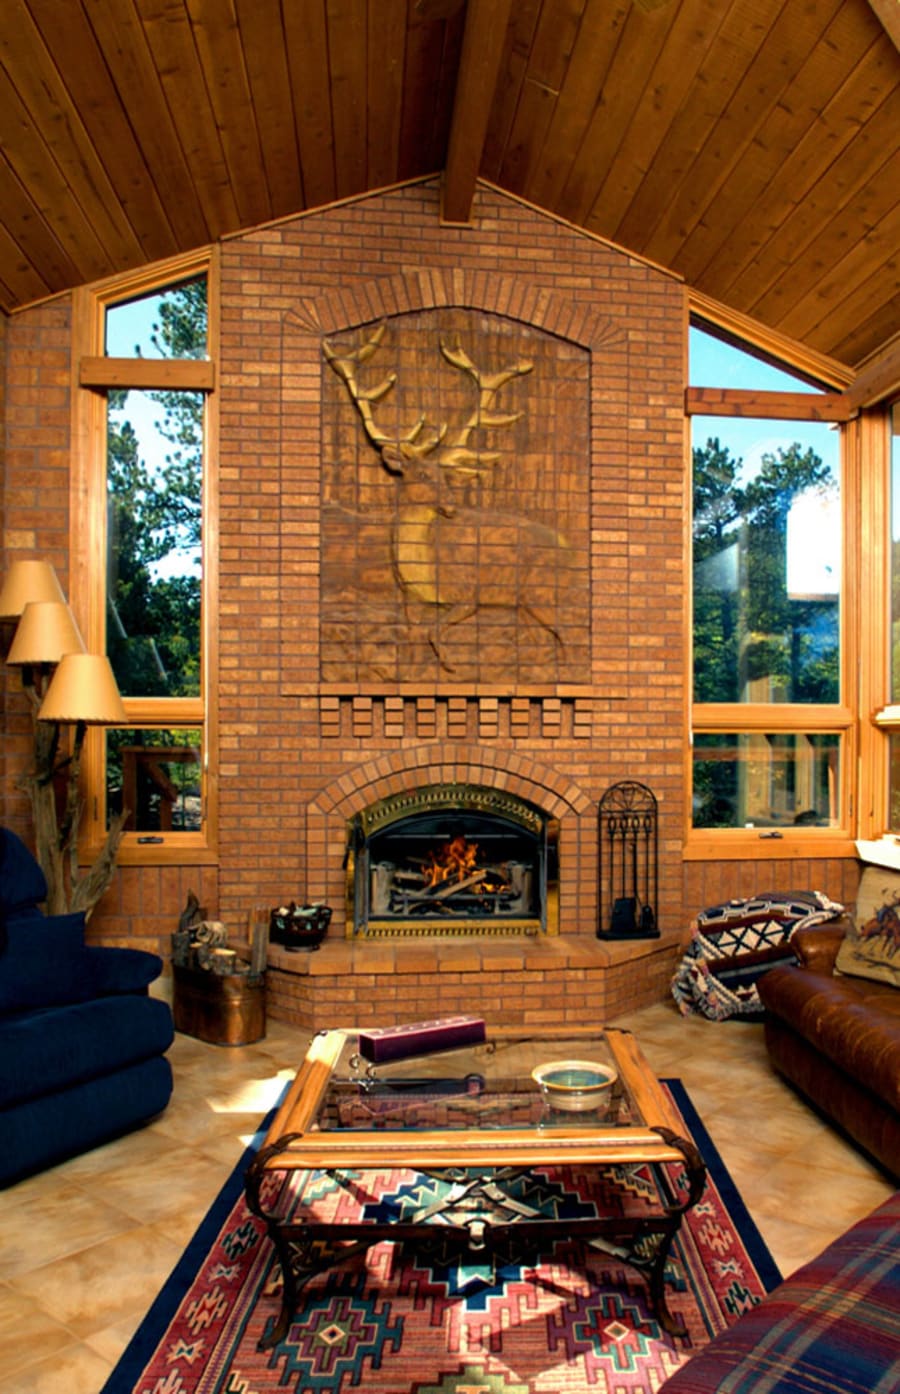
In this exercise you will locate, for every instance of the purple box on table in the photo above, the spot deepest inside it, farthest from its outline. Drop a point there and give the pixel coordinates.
(420, 1038)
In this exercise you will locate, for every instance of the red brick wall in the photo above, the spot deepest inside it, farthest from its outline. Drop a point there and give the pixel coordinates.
(296, 757)
(35, 511)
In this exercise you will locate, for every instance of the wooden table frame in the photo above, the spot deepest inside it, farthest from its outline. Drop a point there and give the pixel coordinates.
(488, 1158)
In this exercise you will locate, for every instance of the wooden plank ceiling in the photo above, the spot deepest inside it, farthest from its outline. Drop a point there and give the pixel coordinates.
(751, 146)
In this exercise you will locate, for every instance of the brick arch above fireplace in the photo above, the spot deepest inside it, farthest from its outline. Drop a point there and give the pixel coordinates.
(529, 779)
(329, 812)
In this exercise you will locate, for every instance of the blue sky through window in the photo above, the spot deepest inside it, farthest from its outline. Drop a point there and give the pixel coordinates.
(130, 324)
(814, 524)
(129, 330)
(713, 363)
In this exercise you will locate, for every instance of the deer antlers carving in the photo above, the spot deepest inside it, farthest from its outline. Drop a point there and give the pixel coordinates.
(396, 451)
(455, 561)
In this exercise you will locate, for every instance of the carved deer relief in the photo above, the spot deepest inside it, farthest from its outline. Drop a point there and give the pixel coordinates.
(444, 516)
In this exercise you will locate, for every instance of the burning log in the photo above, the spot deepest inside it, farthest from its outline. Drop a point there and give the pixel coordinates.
(446, 882)
(443, 890)
(447, 889)
(405, 877)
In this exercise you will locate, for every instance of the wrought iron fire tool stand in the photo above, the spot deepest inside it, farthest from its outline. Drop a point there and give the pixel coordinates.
(627, 862)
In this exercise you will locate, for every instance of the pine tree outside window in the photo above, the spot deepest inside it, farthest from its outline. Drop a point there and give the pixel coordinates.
(771, 720)
(149, 481)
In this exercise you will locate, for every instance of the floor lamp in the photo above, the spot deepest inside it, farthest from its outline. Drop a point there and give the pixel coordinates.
(66, 687)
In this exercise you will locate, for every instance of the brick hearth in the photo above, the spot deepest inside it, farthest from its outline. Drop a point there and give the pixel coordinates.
(550, 980)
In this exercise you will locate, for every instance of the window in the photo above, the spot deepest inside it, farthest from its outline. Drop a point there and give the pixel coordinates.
(766, 561)
(766, 779)
(771, 717)
(147, 424)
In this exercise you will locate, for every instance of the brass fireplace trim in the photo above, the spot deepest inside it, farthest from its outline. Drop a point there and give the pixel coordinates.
(462, 929)
(475, 798)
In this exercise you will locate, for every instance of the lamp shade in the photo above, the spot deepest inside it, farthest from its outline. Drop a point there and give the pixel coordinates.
(83, 689)
(46, 631)
(25, 581)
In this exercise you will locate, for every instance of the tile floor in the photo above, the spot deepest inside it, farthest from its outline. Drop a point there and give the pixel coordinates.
(85, 1247)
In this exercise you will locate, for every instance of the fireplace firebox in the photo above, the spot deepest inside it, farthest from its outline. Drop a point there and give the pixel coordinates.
(452, 859)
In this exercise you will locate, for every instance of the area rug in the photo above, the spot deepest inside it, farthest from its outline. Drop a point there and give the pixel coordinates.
(571, 1321)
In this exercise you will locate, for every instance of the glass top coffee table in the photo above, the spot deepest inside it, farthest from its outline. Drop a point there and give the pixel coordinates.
(476, 1118)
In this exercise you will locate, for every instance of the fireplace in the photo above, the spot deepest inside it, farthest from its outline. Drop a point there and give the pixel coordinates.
(452, 859)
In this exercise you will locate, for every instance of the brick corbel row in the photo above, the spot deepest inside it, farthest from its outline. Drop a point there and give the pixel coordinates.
(456, 718)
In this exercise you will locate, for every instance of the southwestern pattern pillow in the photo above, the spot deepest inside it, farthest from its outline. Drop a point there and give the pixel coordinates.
(733, 944)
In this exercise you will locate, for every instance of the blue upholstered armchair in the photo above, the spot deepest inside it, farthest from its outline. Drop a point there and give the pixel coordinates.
(82, 1044)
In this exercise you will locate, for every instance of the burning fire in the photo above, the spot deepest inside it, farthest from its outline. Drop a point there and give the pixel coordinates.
(456, 859)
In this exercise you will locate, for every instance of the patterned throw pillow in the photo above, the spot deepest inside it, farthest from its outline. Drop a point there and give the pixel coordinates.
(733, 944)
(871, 949)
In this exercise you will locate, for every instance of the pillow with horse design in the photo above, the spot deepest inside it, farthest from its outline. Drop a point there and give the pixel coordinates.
(871, 948)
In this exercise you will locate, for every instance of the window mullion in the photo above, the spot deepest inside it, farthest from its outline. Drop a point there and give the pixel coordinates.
(871, 438)
(780, 716)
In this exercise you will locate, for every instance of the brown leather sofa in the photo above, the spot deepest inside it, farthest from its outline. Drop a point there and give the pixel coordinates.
(837, 1039)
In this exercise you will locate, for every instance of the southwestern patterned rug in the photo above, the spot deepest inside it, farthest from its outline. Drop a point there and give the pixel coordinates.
(574, 1321)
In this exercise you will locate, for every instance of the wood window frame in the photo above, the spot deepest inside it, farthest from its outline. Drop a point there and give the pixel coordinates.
(879, 717)
(93, 374)
(831, 404)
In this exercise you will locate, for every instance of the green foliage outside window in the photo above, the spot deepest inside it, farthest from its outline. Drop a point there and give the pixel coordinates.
(756, 640)
(154, 491)
(766, 572)
(154, 559)
(157, 774)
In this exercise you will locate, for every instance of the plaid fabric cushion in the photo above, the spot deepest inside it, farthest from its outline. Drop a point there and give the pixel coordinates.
(831, 1328)
(734, 943)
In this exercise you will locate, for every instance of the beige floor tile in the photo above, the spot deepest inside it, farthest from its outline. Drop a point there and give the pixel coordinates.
(791, 1243)
(175, 1176)
(76, 1370)
(836, 1153)
(225, 1152)
(26, 1331)
(138, 1151)
(815, 1196)
(40, 1189)
(181, 1228)
(41, 1228)
(99, 1286)
(187, 1119)
(111, 1343)
(777, 1130)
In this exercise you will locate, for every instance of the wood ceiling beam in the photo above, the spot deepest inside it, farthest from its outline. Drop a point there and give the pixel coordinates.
(888, 13)
(479, 67)
(878, 379)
